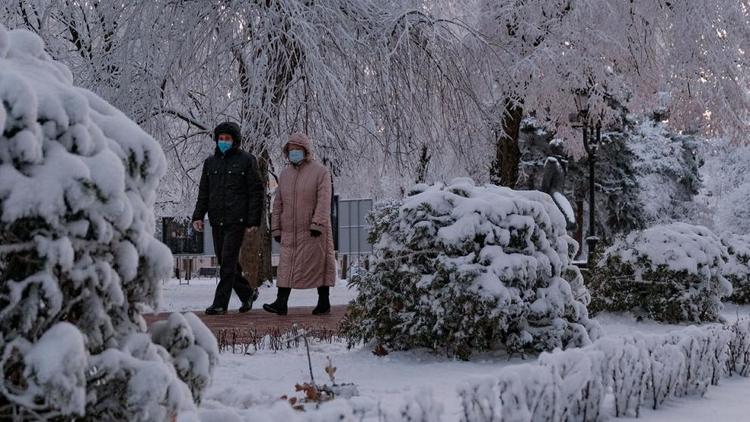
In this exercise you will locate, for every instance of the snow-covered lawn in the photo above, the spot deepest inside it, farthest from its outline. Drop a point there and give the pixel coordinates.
(242, 381)
(727, 402)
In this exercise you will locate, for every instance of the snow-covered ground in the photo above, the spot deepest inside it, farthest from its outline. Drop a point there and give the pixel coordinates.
(241, 381)
(727, 402)
(199, 293)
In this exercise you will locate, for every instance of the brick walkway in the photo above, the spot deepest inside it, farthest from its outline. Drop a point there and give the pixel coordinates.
(261, 321)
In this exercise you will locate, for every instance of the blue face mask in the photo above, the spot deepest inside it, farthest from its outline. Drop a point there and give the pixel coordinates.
(224, 146)
(296, 156)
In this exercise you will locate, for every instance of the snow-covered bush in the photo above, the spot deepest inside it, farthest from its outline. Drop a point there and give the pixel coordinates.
(78, 260)
(192, 346)
(614, 376)
(638, 370)
(739, 358)
(462, 268)
(667, 272)
(651, 369)
(737, 269)
(561, 386)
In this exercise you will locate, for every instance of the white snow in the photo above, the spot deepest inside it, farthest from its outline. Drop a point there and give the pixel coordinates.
(57, 366)
(386, 383)
(565, 206)
(243, 381)
(679, 246)
(199, 293)
(727, 402)
(500, 249)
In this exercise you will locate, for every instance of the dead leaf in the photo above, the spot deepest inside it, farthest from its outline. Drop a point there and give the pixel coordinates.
(380, 350)
(331, 370)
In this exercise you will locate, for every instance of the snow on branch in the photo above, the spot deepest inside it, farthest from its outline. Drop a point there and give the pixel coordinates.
(672, 272)
(79, 259)
(467, 268)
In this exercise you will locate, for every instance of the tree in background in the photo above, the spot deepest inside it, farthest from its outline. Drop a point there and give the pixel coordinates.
(727, 185)
(376, 81)
(371, 82)
(687, 57)
(645, 174)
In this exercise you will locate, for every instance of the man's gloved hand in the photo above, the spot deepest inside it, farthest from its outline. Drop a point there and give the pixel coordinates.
(277, 239)
(315, 233)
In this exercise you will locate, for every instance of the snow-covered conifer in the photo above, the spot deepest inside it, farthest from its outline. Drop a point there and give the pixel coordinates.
(463, 268)
(78, 259)
(670, 272)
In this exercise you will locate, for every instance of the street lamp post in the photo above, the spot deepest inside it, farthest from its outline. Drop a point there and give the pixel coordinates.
(591, 140)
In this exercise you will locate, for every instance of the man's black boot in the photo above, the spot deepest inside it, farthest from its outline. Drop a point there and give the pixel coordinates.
(215, 310)
(247, 305)
(324, 304)
(279, 307)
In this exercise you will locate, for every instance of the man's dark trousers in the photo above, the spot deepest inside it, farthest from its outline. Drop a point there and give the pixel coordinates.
(227, 243)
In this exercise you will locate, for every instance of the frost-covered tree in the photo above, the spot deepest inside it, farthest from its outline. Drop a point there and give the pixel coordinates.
(371, 81)
(737, 268)
(686, 58)
(671, 273)
(667, 169)
(733, 212)
(645, 174)
(461, 268)
(78, 260)
(727, 186)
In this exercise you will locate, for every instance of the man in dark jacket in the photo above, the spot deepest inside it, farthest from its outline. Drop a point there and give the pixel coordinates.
(232, 194)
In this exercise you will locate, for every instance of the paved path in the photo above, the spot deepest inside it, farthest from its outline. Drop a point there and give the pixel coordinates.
(257, 322)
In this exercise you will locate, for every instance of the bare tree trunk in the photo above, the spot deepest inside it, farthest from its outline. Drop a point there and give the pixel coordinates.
(504, 169)
(423, 165)
(257, 259)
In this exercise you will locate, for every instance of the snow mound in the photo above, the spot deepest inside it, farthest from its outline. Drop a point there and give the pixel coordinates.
(670, 272)
(460, 268)
(78, 258)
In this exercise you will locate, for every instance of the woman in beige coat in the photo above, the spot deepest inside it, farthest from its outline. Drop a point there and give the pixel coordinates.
(301, 223)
